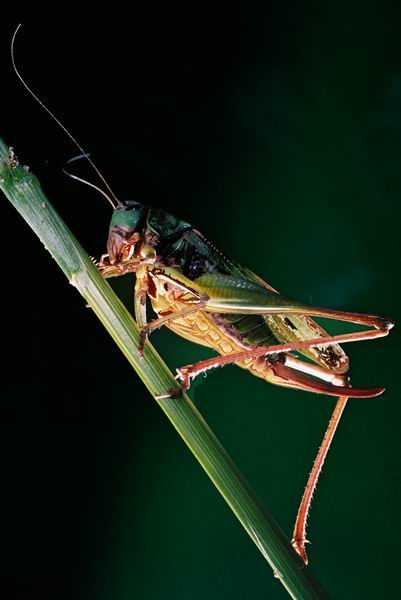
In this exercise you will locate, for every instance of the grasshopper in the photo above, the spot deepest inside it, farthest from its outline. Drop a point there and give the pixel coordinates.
(206, 297)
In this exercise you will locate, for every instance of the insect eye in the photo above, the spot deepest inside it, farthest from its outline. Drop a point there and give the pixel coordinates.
(129, 205)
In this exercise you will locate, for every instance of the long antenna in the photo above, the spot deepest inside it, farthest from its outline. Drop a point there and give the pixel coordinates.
(85, 154)
(81, 180)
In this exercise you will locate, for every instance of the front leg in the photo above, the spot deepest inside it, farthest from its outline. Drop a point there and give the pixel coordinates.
(140, 294)
(178, 314)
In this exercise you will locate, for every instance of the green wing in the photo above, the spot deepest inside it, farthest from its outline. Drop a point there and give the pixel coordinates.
(249, 294)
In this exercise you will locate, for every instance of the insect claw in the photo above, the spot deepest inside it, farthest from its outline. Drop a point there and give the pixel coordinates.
(163, 396)
(172, 393)
(299, 547)
(142, 339)
(94, 260)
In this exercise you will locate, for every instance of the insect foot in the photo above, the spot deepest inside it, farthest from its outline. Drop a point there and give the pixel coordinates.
(143, 334)
(299, 547)
(178, 392)
(172, 393)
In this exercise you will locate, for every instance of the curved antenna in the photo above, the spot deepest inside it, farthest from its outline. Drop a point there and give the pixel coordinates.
(63, 128)
(81, 180)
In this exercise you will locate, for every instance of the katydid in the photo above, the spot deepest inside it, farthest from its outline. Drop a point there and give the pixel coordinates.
(204, 296)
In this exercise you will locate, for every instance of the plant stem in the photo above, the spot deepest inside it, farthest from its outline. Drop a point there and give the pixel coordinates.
(24, 192)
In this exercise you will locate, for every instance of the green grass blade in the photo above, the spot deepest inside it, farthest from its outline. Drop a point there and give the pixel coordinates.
(24, 192)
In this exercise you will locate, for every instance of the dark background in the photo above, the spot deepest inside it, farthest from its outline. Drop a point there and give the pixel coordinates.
(277, 133)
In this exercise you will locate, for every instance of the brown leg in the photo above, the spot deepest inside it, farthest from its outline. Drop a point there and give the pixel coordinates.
(189, 372)
(299, 536)
(141, 290)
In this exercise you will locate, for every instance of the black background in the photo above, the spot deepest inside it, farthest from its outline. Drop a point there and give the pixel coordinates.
(277, 133)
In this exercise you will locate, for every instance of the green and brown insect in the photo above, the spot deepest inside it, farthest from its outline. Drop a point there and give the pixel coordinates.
(204, 296)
